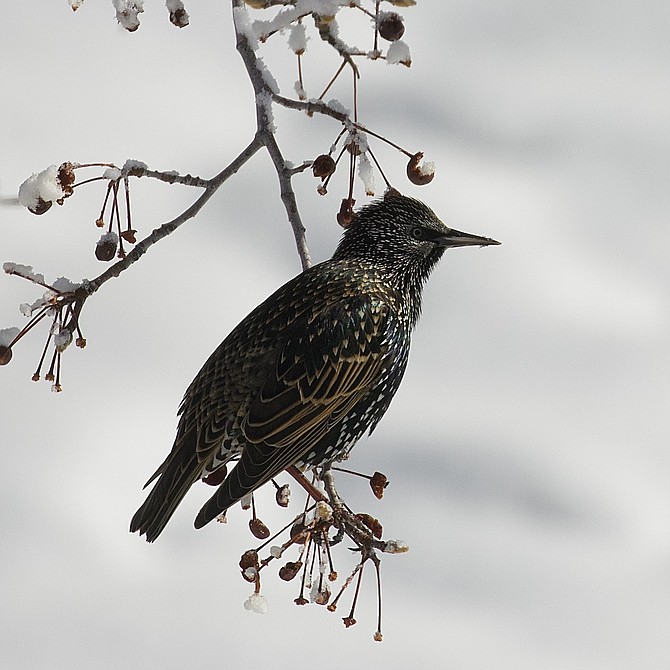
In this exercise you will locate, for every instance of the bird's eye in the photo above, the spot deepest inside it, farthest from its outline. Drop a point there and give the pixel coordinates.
(417, 233)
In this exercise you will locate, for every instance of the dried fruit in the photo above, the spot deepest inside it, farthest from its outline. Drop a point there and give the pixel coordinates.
(5, 354)
(259, 529)
(41, 207)
(391, 26)
(323, 166)
(179, 17)
(353, 148)
(290, 570)
(283, 495)
(249, 560)
(417, 173)
(129, 236)
(66, 178)
(346, 214)
(105, 249)
(378, 483)
(215, 478)
(372, 523)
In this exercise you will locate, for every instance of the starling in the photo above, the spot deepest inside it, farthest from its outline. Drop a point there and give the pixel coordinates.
(308, 371)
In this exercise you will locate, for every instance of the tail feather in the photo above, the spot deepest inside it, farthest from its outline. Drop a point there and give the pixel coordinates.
(152, 517)
(175, 477)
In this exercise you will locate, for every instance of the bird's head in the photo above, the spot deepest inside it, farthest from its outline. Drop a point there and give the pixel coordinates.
(402, 235)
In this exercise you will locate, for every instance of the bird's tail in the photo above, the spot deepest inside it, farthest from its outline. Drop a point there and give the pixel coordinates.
(158, 508)
(175, 478)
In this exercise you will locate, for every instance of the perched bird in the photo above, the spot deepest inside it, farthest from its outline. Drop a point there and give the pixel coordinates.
(311, 369)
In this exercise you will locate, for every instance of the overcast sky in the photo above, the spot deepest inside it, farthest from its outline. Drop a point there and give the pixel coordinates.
(528, 445)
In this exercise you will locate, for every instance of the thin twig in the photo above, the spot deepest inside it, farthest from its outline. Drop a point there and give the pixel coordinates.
(162, 231)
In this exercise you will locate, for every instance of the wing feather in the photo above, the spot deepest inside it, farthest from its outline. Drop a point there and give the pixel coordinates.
(322, 372)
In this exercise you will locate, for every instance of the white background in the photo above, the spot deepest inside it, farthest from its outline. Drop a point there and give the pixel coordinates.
(528, 446)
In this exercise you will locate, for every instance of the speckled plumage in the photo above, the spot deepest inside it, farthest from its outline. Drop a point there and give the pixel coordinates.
(311, 369)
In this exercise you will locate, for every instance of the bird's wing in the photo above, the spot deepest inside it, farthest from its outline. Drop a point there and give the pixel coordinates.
(324, 367)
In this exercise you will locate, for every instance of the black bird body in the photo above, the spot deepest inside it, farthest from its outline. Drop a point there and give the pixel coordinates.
(311, 369)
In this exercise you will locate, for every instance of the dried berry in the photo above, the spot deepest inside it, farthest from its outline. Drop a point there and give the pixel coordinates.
(41, 207)
(372, 523)
(354, 149)
(259, 529)
(349, 621)
(129, 236)
(391, 26)
(105, 249)
(323, 166)
(378, 483)
(66, 178)
(249, 559)
(215, 478)
(419, 174)
(5, 354)
(346, 214)
(290, 570)
(179, 17)
(283, 495)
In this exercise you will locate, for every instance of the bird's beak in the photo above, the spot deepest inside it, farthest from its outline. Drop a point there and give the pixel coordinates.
(455, 238)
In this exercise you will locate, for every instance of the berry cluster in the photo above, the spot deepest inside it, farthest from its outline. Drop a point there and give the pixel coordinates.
(322, 525)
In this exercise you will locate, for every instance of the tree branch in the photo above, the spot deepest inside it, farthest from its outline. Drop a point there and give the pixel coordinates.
(159, 233)
(264, 87)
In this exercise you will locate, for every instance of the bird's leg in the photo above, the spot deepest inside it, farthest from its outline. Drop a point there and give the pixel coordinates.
(345, 519)
(329, 484)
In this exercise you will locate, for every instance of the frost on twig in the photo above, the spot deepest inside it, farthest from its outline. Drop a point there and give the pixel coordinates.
(60, 305)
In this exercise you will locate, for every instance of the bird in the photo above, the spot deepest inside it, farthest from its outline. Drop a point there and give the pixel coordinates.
(311, 369)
